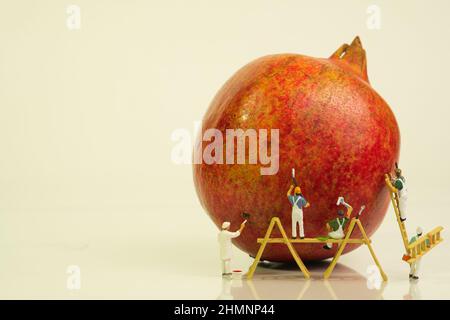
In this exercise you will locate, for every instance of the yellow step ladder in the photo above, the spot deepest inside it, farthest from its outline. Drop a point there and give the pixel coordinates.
(425, 243)
(353, 223)
(275, 221)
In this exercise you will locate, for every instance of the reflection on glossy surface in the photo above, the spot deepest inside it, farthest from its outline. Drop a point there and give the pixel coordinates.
(282, 281)
(227, 285)
(414, 291)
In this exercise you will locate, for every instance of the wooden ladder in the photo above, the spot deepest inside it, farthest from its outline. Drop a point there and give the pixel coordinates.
(353, 223)
(395, 203)
(275, 221)
(425, 243)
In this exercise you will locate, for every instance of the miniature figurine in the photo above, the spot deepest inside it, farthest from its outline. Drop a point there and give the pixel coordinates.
(399, 182)
(224, 238)
(297, 201)
(336, 226)
(414, 267)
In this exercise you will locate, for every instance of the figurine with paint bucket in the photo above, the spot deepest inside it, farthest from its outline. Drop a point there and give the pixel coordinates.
(225, 236)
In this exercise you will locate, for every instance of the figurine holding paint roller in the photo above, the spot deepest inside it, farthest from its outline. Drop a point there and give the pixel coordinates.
(225, 245)
(298, 202)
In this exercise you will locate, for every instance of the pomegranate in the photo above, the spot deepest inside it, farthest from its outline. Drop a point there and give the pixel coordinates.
(334, 129)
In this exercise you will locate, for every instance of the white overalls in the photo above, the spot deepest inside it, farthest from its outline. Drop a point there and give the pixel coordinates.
(224, 238)
(403, 198)
(297, 218)
(337, 234)
(414, 267)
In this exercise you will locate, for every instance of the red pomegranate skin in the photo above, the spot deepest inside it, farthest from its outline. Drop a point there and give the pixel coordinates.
(339, 134)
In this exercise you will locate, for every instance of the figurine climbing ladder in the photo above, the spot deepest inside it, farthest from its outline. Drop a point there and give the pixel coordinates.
(425, 243)
(395, 203)
(343, 242)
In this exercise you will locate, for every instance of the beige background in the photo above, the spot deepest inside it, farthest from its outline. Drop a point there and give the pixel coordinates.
(86, 118)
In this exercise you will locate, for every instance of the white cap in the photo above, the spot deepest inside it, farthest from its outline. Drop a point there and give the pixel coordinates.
(225, 225)
(419, 230)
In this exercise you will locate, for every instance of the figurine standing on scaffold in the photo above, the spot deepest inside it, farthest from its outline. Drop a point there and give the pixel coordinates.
(298, 202)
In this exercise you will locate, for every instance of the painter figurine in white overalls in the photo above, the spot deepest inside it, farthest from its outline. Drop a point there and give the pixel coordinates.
(298, 202)
(224, 237)
(336, 226)
(400, 184)
(414, 267)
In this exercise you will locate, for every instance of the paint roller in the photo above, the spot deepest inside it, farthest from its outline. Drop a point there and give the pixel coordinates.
(245, 216)
(294, 181)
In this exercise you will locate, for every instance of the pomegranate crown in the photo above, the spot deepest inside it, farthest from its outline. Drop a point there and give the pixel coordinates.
(352, 57)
